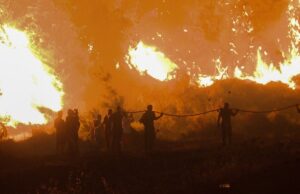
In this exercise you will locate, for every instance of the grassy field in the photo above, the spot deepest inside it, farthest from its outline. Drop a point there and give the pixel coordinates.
(186, 166)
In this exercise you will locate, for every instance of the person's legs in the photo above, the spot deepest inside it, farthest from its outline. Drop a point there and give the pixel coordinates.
(147, 140)
(151, 140)
(76, 144)
(114, 143)
(107, 139)
(57, 145)
(118, 145)
(223, 136)
(229, 135)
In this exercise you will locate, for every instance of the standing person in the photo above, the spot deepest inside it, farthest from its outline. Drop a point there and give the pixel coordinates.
(108, 123)
(117, 130)
(69, 125)
(59, 125)
(97, 127)
(224, 120)
(76, 128)
(148, 119)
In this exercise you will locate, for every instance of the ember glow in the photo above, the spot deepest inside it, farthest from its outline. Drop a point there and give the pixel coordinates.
(27, 84)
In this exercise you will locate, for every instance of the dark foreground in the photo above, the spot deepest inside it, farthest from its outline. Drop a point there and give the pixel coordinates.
(246, 167)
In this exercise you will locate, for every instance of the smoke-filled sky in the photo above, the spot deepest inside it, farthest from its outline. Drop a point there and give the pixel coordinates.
(84, 40)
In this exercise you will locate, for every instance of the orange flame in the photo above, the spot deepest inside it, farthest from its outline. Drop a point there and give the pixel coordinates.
(26, 83)
(287, 70)
(148, 59)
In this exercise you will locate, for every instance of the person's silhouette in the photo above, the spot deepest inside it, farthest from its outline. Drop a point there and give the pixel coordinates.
(97, 128)
(224, 121)
(72, 128)
(117, 130)
(148, 119)
(69, 124)
(76, 121)
(59, 125)
(108, 123)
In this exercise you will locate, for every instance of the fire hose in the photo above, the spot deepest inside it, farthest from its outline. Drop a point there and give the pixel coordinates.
(177, 115)
(217, 110)
(188, 115)
(268, 111)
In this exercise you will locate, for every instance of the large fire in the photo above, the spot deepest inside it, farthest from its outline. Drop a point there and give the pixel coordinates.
(27, 84)
(148, 59)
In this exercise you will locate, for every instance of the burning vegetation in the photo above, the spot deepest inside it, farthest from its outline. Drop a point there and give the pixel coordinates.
(170, 54)
(27, 84)
(66, 63)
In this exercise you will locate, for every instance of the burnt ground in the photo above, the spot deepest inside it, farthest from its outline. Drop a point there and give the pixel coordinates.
(253, 166)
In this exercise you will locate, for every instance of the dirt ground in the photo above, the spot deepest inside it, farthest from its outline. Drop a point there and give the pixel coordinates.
(252, 166)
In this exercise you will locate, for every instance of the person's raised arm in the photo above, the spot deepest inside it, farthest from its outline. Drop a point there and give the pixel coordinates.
(161, 114)
(104, 120)
(234, 112)
(143, 119)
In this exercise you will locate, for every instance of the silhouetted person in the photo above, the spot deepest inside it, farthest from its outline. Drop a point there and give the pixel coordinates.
(59, 125)
(76, 130)
(148, 119)
(69, 131)
(72, 127)
(97, 127)
(117, 130)
(224, 120)
(108, 123)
